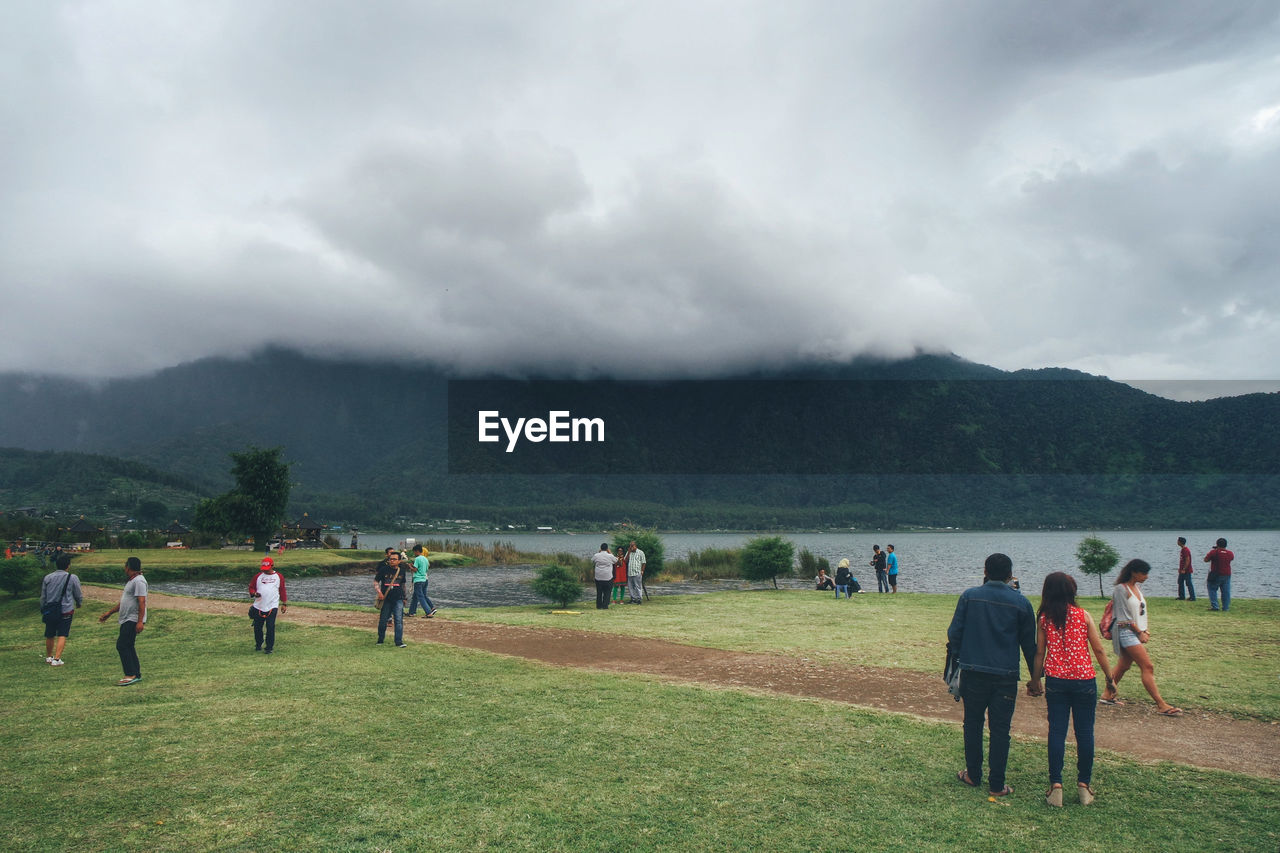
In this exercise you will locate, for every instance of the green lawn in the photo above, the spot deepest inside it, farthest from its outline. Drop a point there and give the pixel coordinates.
(1223, 662)
(180, 563)
(334, 743)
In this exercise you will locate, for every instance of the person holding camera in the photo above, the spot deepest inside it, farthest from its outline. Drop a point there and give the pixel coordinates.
(1219, 560)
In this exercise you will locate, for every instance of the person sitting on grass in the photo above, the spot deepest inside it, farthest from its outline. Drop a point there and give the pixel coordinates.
(823, 580)
(843, 577)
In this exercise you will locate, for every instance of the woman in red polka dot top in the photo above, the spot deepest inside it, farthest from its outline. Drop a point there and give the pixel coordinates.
(1065, 634)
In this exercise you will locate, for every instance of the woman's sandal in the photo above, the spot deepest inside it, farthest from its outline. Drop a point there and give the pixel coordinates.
(1085, 793)
(1054, 796)
(1110, 702)
(1170, 712)
(963, 777)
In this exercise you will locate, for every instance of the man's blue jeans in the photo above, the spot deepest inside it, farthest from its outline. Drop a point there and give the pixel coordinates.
(392, 609)
(1219, 582)
(420, 597)
(1077, 699)
(987, 698)
(1186, 589)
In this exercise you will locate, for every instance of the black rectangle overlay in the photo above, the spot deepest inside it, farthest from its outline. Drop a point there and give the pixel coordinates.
(821, 426)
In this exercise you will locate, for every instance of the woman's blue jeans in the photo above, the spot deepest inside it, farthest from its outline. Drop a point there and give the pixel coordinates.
(1077, 699)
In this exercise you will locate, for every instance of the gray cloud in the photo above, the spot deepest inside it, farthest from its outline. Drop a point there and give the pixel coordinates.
(656, 189)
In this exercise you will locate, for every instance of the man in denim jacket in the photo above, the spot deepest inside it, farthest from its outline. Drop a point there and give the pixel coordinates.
(992, 623)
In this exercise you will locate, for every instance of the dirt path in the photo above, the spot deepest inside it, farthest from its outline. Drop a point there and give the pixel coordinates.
(1201, 739)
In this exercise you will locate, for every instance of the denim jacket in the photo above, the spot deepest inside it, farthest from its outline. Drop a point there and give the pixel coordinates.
(990, 624)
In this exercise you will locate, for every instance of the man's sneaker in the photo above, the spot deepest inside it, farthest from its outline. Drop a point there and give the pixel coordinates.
(401, 646)
(56, 662)
(48, 660)
(269, 652)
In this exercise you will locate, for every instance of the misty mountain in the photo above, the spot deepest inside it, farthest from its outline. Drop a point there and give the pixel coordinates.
(927, 440)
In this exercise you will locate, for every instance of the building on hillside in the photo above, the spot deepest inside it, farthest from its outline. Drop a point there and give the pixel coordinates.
(174, 535)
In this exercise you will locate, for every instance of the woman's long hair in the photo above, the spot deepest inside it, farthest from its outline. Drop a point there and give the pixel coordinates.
(1058, 594)
(1131, 567)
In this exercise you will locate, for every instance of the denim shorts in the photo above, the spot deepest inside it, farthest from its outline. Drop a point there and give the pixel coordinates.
(59, 628)
(1127, 638)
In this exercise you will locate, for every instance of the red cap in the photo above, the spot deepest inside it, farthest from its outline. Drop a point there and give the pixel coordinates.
(268, 563)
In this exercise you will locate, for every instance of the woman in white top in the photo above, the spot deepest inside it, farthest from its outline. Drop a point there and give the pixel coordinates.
(1129, 636)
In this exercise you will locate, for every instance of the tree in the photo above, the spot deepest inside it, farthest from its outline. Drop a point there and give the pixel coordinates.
(559, 584)
(647, 541)
(255, 507)
(19, 574)
(1096, 558)
(767, 557)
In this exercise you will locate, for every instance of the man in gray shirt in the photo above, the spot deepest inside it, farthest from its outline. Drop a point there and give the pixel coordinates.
(133, 618)
(62, 588)
(635, 574)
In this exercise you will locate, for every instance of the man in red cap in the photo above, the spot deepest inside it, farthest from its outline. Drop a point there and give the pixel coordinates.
(269, 596)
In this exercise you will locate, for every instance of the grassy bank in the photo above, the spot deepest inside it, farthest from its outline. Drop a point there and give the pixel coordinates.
(168, 564)
(336, 744)
(1222, 662)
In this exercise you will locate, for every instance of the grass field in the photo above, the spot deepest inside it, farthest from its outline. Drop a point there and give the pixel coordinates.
(1224, 662)
(334, 743)
(181, 563)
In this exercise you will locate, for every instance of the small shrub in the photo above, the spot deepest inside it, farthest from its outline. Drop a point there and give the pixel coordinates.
(20, 575)
(647, 541)
(1096, 558)
(766, 558)
(558, 584)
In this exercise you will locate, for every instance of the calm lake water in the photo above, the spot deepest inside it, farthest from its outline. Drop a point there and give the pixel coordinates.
(934, 561)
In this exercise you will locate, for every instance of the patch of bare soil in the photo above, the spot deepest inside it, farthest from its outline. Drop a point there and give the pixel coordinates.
(1198, 738)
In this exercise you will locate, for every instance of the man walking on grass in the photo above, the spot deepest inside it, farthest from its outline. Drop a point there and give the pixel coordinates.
(418, 594)
(60, 588)
(389, 583)
(269, 598)
(991, 624)
(635, 574)
(133, 618)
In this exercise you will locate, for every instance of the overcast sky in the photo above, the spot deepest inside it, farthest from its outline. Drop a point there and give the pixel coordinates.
(648, 188)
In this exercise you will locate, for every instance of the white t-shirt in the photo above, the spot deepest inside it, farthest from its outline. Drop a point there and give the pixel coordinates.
(268, 590)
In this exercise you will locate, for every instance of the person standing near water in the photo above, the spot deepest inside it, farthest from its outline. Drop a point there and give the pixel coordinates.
(878, 563)
(604, 563)
(635, 575)
(1186, 589)
(1219, 560)
(891, 563)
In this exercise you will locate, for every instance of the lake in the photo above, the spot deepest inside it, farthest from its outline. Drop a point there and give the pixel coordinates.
(930, 561)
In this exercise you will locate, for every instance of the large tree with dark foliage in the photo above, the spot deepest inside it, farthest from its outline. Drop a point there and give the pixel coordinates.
(255, 507)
